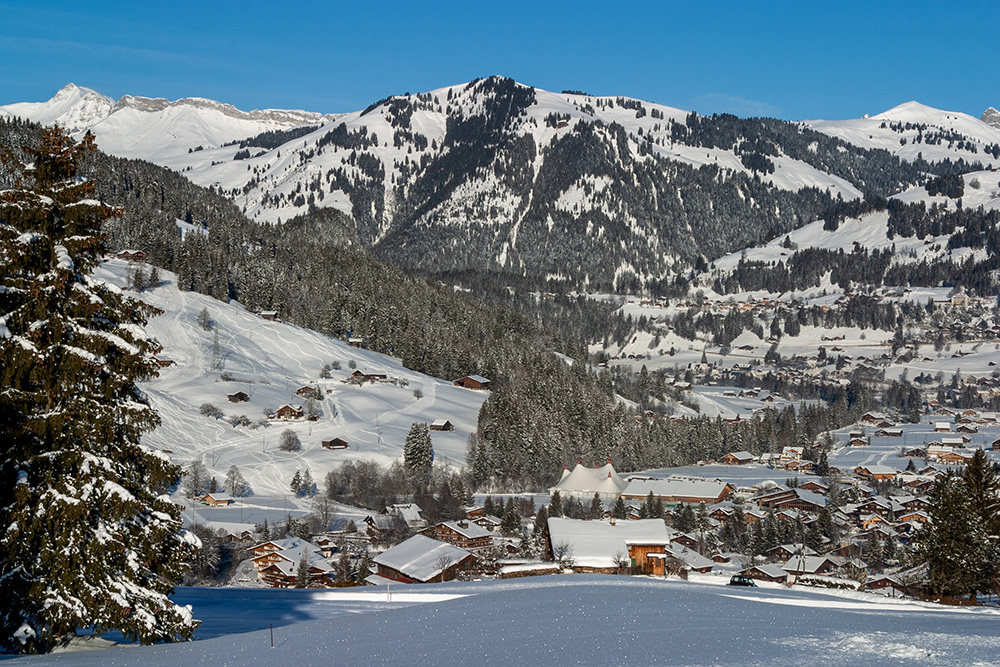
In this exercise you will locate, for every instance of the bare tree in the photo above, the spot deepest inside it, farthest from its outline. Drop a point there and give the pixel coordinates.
(562, 554)
(444, 562)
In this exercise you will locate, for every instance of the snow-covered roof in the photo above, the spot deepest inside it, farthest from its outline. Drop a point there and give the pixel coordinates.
(677, 487)
(409, 512)
(597, 543)
(420, 557)
(467, 529)
(692, 559)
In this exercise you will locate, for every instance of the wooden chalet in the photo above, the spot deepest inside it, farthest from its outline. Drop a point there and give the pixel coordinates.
(421, 559)
(464, 534)
(360, 377)
(132, 255)
(441, 425)
(814, 486)
(163, 362)
(771, 573)
(307, 391)
(473, 382)
(801, 565)
(955, 458)
(290, 412)
(238, 397)
(217, 499)
(269, 315)
(335, 443)
(737, 458)
(783, 552)
(876, 472)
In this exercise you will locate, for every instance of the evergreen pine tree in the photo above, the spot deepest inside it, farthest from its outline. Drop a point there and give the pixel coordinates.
(296, 484)
(596, 507)
(90, 540)
(511, 521)
(302, 573)
(952, 543)
(619, 511)
(555, 504)
(418, 455)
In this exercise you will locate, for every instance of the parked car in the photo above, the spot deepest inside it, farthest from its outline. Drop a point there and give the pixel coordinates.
(742, 580)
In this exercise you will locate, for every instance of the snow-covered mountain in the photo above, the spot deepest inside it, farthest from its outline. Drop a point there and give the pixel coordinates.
(497, 176)
(155, 129)
(913, 130)
(991, 117)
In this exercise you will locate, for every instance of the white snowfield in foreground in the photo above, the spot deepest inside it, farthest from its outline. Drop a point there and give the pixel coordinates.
(565, 620)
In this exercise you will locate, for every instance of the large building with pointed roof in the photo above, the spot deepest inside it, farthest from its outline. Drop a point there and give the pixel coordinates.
(584, 482)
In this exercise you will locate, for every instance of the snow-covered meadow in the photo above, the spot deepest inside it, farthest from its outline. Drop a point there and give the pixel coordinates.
(563, 620)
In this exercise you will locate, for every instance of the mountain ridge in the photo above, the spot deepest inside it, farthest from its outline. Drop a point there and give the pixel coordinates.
(497, 176)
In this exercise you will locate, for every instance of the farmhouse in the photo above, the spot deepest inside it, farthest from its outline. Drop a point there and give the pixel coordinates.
(410, 513)
(238, 397)
(421, 560)
(876, 472)
(464, 534)
(132, 255)
(290, 412)
(335, 443)
(766, 573)
(737, 458)
(217, 499)
(473, 382)
(163, 362)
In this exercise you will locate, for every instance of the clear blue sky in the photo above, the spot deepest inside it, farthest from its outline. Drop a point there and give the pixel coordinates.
(799, 60)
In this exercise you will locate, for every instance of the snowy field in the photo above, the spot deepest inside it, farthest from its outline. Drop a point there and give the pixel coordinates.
(563, 620)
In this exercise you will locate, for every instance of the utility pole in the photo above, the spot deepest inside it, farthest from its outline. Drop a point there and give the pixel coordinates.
(216, 358)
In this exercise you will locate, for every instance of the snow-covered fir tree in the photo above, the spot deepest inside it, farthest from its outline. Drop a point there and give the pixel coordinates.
(91, 539)
(418, 454)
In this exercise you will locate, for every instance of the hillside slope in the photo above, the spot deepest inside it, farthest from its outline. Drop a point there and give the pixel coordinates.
(270, 361)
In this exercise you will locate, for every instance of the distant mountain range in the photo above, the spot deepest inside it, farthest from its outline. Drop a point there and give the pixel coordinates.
(498, 177)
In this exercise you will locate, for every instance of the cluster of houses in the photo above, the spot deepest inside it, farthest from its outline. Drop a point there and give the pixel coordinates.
(437, 552)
